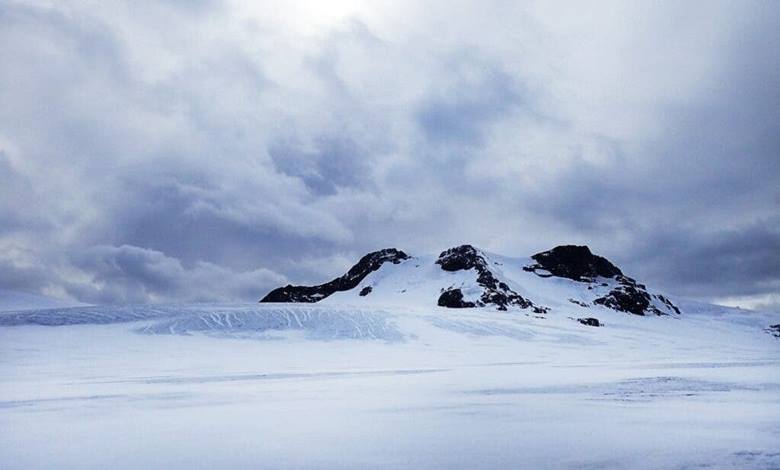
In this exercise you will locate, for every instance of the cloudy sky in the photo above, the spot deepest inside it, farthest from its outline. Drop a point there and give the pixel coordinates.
(155, 151)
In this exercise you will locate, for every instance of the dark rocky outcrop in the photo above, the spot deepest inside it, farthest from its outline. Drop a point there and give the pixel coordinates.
(668, 303)
(461, 258)
(627, 297)
(453, 298)
(632, 297)
(774, 330)
(367, 264)
(572, 262)
(495, 292)
(609, 287)
(578, 263)
(590, 321)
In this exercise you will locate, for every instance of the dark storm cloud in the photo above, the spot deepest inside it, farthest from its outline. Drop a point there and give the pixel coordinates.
(171, 152)
(720, 262)
(130, 274)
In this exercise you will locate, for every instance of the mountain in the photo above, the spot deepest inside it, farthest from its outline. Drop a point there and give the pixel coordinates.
(367, 264)
(467, 277)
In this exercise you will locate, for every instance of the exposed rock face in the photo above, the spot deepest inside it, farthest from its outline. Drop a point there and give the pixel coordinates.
(580, 264)
(628, 297)
(632, 297)
(573, 262)
(461, 258)
(601, 283)
(453, 298)
(367, 264)
(774, 330)
(495, 292)
(590, 321)
(668, 303)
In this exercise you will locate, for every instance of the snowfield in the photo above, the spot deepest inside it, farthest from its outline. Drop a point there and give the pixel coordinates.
(337, 385)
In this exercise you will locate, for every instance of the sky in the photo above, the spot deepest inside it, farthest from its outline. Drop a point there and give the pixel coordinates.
(176, 151)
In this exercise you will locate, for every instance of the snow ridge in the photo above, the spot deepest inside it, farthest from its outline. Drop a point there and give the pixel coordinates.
(467, 277)
(321, 323)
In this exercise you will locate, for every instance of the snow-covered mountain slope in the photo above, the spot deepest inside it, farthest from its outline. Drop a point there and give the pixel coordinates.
(368, 264)
(464, 277)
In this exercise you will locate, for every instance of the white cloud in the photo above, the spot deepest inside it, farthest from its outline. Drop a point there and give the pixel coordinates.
(220, 139)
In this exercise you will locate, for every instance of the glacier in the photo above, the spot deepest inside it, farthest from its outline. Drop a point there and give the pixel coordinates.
(334, 385)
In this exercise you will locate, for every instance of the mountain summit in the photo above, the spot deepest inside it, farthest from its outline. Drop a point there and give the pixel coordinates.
(467, 277)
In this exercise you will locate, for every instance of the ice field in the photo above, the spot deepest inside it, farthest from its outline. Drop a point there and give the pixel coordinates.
(328, 386)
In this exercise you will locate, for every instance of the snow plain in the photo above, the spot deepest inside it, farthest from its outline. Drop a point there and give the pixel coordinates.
(340, 386)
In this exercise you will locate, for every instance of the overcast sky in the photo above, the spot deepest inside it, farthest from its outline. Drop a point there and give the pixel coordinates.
(157, 151)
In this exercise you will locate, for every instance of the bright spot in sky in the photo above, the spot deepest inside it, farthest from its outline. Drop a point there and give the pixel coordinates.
(301, 16)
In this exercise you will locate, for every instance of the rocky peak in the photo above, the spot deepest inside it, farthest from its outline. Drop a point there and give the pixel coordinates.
(601, 282)
(367, 264)
(461, 258)
(580, 264)
(572, 262)
(495, 292)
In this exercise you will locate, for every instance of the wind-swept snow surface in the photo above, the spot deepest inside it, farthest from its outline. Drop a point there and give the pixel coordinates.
(333, 386)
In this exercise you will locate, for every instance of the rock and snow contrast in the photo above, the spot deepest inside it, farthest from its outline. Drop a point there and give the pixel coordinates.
(466, 277)
(465, 359)
(368, 264)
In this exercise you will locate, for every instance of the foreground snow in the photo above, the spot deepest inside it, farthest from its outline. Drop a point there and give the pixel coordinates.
(247, 386)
